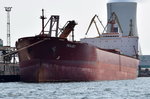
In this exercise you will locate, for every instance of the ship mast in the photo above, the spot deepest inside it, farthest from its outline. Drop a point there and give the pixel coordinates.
(43, 18)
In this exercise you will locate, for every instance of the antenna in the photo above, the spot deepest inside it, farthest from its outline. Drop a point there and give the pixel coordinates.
(43, 17)
(8, 9)
(131, 28)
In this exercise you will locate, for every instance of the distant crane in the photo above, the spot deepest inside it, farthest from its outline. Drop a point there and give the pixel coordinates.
(94, 21)
(8, 9)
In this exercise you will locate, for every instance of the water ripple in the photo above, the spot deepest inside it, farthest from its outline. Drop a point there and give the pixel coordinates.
(124, 89)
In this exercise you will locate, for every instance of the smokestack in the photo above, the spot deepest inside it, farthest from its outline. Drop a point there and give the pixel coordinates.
(126, 13)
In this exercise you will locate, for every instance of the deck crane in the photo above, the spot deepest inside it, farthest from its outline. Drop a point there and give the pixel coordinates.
(69, 26)
(113, 20)
(93, 21)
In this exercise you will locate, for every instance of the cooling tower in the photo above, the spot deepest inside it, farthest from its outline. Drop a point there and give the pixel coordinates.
(126, 13)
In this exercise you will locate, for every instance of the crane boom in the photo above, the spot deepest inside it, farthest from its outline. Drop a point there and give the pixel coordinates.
(93, 21)
(67, 29)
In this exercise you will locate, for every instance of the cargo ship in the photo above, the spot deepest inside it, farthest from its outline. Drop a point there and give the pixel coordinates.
(49, 58)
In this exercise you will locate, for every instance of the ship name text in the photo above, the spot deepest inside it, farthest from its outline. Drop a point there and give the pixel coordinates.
(71, 45)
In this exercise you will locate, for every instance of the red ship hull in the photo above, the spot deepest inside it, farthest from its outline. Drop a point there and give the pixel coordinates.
(46, 59)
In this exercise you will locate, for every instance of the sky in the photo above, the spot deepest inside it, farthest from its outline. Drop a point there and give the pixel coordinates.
(25, 17)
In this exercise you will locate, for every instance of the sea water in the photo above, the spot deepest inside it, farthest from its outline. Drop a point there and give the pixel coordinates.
(121, 89)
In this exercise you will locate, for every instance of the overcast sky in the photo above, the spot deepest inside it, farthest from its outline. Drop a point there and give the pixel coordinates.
(25, 17)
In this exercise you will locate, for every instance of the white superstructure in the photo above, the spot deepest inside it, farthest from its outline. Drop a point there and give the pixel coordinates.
(127, 45)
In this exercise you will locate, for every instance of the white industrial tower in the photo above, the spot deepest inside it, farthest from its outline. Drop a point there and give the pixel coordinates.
(126, 12)
(8, 9)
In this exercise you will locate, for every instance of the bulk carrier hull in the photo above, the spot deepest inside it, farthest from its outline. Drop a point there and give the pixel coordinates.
(48, 59)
